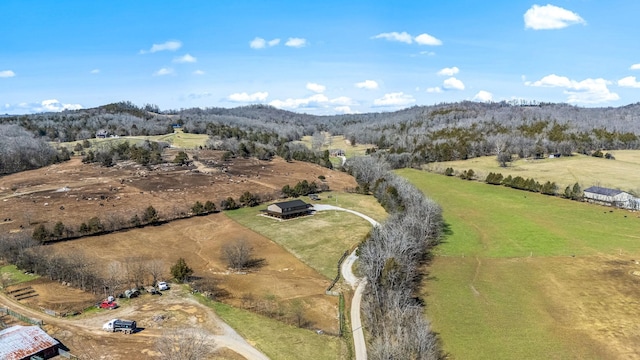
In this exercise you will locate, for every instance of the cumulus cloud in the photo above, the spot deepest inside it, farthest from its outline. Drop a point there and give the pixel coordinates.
(317, 88)
(314, 101)
(367, 84)
(7, 74)
(198, 72)
(95, 71)
(434, 90)
(51, 105)
(635, 67)
(483, 96)
(296, 42)
(163, 72)
(247, 98)
(260, 43)
(588, 91)
(629, 81)
(426, 39)
(394, 99)
(453, 84)
(404, 37)
(185, 59)
(273, 42)
(550, 17)
(172, 45)
(449, 71)
(342, 100)
(343, 109)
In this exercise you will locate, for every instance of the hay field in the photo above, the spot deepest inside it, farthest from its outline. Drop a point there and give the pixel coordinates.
(586, 170)
(527, 276)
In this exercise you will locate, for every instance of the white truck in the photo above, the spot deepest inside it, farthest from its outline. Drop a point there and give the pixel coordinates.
(126, 326)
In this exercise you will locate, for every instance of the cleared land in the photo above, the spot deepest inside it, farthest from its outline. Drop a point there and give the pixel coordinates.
(177, 139)
(565, 171)
(318, 240)
(339, 142)
(527, 276)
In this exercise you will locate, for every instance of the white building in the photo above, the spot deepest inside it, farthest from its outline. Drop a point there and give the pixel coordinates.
(610, 197)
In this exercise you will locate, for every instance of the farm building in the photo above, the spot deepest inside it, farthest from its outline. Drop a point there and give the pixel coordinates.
(289, 209)
(102, 134)
(609, 197)
(337, 152)
(27, 342)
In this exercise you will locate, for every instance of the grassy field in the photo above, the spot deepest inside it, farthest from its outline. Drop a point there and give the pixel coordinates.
(586, 170)
(278, 340)
(11, 275)
(339, 142)
(319, 240)
(523, 276)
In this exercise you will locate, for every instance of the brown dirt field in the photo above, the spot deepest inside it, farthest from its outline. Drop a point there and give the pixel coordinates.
(199, 241)
(117, 193)
(54, 296)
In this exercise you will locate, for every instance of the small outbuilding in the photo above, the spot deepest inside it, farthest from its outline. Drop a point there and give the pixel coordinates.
(102, 134)
(289, 209)
(608, 197)
(27, 342)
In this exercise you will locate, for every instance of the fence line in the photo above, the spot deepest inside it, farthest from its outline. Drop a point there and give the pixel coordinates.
(335, 280)
(22, 317)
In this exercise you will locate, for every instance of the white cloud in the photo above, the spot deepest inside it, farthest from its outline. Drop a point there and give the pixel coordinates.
(296, 42)
(635, 67)
(426, 39)
(95, 71)
(317, 88)
(343, 109)
(198, 72)
(163, 71)
(449, 71)
(427, 53)
(395, 36)
(404, 37)
(260, 43)
(7, 74)
(367, 84)
(273, 42)
(394, 99)
(316, 100)
(172, 45)
(51, 105)
(483, 96)
(434, 90)
(342, 100)
(629, 81)
(244, 97)
(453, 84)
(55, 105)
(201, 95)
(588, 91)
(185, 59)
(550, 17)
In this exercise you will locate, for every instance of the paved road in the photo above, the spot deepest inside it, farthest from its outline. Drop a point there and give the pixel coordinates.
(355, 282)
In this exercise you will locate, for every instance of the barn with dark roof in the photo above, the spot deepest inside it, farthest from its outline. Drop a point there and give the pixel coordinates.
(27, 342)
(608, 197)
(289, 209)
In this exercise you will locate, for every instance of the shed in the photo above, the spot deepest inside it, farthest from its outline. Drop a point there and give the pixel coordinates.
(289, 209)
(27, 342)
(102, 134)
(608, 197)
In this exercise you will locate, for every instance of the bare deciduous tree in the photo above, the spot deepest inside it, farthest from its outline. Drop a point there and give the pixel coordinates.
(239, 255)
(185, 344)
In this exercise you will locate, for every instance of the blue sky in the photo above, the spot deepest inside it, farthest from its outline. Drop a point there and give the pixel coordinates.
(327, 57)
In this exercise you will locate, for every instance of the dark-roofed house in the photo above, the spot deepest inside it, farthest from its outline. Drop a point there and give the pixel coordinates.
(27, 342)
(609, 197)
(289, 209)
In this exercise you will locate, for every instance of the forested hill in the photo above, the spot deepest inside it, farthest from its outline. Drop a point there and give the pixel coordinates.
(414, 135)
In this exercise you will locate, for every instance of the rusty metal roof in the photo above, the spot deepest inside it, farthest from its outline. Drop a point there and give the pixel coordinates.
(18, 342)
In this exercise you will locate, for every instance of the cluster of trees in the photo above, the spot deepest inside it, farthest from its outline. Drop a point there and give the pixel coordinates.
(520, 183)
(303, 188)
(77, 269)
(20, 150)
(391, 258)
(147, 153)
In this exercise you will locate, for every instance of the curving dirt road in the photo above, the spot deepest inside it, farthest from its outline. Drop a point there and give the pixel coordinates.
(359, 284)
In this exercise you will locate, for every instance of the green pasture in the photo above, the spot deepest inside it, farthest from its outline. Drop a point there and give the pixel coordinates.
(484, 291)
(319, 240)
(585, 170)
(338, 142)
(11, 275)
(279, 340)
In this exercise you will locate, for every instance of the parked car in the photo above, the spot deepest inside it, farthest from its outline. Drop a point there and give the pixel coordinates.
(162, 285)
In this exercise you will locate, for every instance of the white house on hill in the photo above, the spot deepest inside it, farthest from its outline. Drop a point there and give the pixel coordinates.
(610, 197)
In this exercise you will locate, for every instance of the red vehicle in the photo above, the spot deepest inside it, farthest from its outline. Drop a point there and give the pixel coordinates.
(108, 305)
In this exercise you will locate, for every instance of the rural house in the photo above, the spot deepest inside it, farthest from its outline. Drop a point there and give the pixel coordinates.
(27, 342)
(609, 197)
(102, 134)
(289, 209)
